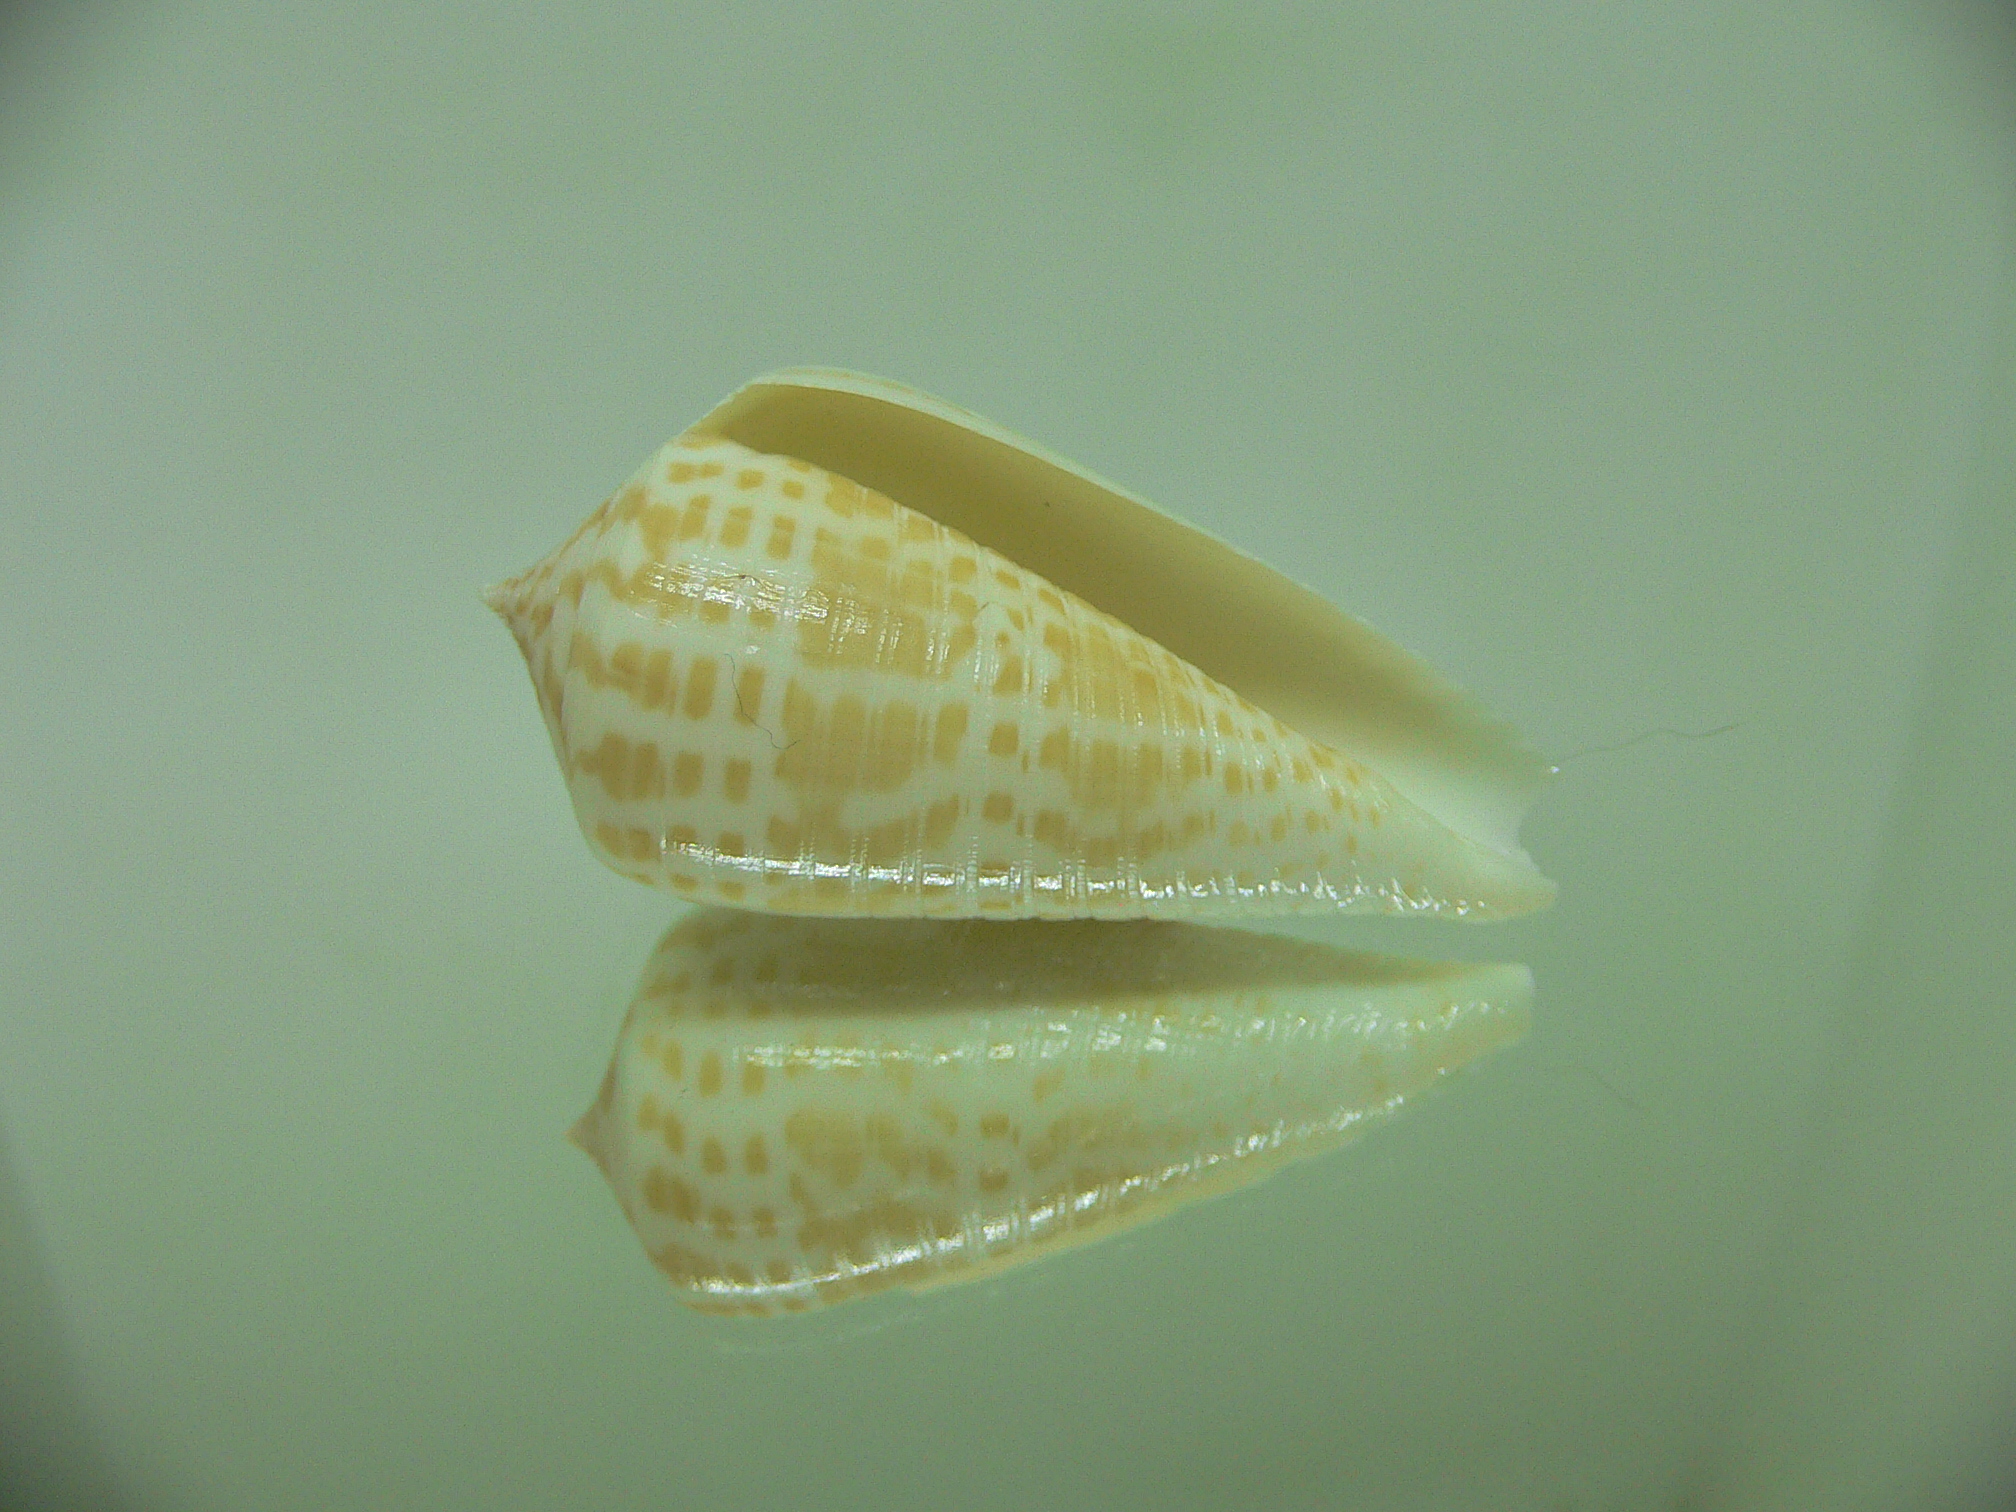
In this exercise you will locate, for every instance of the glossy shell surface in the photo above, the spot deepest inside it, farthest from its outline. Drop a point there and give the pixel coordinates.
(772, 685)
(804, 1111)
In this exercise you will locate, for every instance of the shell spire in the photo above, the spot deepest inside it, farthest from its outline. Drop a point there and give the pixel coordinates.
(836, 650)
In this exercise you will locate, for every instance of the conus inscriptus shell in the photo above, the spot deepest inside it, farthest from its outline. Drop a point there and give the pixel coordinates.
(843, 649)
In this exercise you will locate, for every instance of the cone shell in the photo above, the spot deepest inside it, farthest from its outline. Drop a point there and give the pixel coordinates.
(842, 649)
(803, 1111)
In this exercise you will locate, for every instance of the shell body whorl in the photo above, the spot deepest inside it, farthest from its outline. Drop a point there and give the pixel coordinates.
(773, 688)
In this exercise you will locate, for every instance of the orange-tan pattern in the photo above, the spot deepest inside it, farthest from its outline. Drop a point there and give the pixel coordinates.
(771, 688)
(803, 1111)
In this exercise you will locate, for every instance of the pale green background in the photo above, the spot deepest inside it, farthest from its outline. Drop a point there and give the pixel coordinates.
(1634, 363)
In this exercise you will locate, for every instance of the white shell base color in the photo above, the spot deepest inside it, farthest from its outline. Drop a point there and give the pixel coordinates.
(804, 1111)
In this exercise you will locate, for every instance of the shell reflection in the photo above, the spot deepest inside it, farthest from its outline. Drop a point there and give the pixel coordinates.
(802, 1111)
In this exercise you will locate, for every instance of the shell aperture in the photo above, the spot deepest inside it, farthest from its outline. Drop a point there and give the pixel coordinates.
(841, 649)
(803, 1111)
